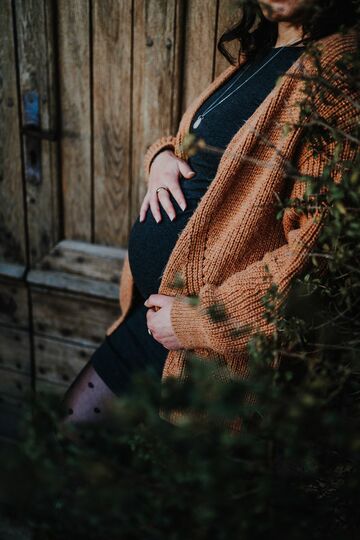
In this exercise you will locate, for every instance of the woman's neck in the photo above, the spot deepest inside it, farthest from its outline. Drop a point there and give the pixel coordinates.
(288, 32)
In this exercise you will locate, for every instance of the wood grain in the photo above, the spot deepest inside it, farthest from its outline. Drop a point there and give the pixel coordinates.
(111, 24)
(14, 384)
(11, 410)
(15, 350)
(76, 318)
(36, 73)
(155, 102)
(14, 309)
(12, 226)
(88, 260)
(89, 269)
(199, 50)
(75, 92)
(59, 361)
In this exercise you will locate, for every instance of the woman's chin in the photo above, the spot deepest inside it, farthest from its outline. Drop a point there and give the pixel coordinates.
(282, 10)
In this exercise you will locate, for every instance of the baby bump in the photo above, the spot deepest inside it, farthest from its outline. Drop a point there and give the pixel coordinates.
(151, 243)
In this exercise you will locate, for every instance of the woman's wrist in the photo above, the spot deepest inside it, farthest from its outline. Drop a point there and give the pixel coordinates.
(163, 143)
(167, 151)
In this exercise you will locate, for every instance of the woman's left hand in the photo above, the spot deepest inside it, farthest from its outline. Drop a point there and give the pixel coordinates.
(159, 321)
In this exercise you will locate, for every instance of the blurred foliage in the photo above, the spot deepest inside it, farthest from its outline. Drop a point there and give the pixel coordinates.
(293, 470)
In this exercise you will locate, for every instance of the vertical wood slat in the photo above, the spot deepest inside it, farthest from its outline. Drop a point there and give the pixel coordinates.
(156, 81)
(112, 38)
(229, 15)
(36, 73)
(52, 123)
(178, 61)
(199, 48)
(74, 86)
(12, 227)
(14, 309)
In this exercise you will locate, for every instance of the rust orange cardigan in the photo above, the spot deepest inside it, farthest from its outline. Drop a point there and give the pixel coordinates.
(234, 242)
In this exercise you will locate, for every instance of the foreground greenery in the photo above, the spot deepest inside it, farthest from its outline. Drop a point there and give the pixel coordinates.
(292, 471)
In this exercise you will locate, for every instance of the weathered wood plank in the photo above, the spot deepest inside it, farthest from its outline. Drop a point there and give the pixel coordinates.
(15, 350)
(156, 81)
(14, 309)
(80, 319)
(11, 411)
(14, 384)
(12, 227)
(66, 282)
(229, 15)
(12, 271)
(15, 359)
(89, 260)
(96, 250)
(37, 86)
(44, 387)
(81, 268)
(59, 362)
(178, 62)
(111, 102)
(11, 404)
(199, 48)
(75, 90)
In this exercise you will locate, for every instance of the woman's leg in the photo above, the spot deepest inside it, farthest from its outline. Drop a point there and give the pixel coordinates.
(88, 398)
(109, 372)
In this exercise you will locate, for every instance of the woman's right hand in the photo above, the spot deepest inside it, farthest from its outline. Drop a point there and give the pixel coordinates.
(164, 171)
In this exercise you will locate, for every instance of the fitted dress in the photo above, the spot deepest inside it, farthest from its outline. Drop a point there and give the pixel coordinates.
(130, 348)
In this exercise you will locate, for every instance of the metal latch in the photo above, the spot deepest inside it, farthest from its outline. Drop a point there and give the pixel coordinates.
(34, 135)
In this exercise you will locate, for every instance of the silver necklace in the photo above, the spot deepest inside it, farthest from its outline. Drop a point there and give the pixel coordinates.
(218, 101)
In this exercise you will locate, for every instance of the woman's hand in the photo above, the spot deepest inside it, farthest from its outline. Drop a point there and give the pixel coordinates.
(164, 171)
(159, 321)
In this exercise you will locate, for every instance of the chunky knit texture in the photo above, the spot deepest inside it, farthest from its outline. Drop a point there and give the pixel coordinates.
(234, 246)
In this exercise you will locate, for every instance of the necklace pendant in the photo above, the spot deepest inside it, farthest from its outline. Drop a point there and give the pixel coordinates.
(197, 122)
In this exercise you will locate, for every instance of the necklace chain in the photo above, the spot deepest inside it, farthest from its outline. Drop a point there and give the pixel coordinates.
(218, 100)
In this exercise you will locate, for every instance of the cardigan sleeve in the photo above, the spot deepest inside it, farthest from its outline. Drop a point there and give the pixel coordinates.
(163, 143)
(226, 316)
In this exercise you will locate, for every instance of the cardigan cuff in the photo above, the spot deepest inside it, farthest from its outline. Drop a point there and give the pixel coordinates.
(163, 143)
(187, 323)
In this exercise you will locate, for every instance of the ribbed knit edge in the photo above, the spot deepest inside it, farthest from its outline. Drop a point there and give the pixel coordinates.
(187, 323)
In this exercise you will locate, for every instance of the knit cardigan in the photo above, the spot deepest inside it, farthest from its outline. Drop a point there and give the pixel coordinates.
(234, 246)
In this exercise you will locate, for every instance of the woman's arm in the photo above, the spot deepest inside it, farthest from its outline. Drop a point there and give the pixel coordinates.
(237, 302)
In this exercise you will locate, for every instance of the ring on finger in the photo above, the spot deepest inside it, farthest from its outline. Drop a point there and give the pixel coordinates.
(162, 187)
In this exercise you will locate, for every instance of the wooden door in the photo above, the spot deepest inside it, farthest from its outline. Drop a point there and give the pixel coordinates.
(85, 87)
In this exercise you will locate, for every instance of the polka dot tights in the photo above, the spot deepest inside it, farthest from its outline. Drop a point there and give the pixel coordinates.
(88, 397)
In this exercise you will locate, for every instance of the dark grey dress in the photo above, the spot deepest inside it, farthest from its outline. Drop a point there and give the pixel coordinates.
(130, 347)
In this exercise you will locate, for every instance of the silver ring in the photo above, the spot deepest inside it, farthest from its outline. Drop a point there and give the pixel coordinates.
(149, 332)
(162, 187)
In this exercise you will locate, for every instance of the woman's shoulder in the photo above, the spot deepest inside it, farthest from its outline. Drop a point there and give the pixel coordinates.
(331, 77)
(327, 51)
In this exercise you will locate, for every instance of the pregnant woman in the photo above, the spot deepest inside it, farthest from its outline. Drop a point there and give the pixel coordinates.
(208, 221)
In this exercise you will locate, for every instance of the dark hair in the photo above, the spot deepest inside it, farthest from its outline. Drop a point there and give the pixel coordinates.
(256, 34)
